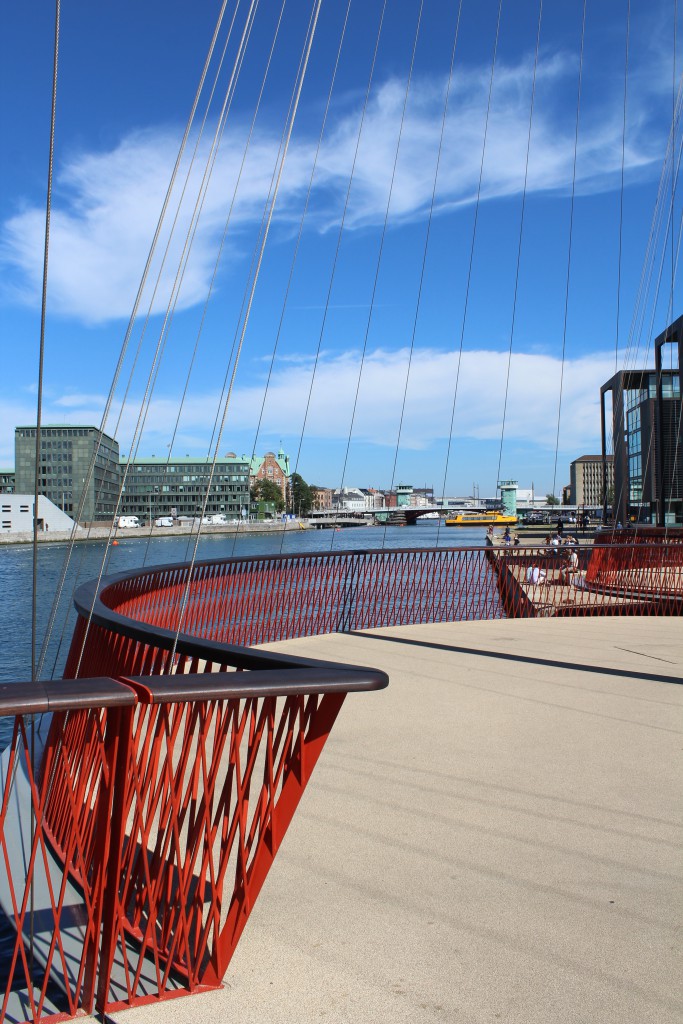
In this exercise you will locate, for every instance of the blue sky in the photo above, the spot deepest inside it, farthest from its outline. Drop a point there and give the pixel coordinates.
(128, 73)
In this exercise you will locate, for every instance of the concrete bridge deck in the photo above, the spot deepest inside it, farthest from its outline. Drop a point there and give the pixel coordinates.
(496, 837)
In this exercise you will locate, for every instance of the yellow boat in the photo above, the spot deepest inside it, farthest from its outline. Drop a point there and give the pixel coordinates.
(482, 519)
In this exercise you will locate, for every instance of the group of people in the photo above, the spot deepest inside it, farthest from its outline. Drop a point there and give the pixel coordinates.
(554, 542)
(561, 547)
(508, 539)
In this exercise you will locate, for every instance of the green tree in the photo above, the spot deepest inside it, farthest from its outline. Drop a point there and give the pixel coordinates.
(300, 496)
(552, 499)
(266, 490)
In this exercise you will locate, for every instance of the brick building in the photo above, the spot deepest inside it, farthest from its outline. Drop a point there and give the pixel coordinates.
(270, 467)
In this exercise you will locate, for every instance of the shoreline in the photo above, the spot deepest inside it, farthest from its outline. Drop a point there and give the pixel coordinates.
(96, 534)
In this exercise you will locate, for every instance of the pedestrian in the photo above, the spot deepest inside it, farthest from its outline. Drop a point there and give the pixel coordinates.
(535, 574)
(560, 526)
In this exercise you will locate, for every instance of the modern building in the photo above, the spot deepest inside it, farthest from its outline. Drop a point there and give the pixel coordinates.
(16, 515)
(404, 495)
(79, 469)
(155, 487)
(270, 467)
(588, 480)
(647, 438)
(508, 496)
(6, 481)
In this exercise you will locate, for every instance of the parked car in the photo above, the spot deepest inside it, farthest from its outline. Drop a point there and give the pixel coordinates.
(127, 522)
(164, 521)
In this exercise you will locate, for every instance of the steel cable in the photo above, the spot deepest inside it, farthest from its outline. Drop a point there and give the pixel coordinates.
(380, 250)
(471, 259)
(424, 257)
(569, 246)
(129, 329)
(297, 95)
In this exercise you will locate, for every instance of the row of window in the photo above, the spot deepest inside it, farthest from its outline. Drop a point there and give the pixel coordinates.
(57, 432)
(57, 445)
(671, 388)
(220, 467)
(135, 492)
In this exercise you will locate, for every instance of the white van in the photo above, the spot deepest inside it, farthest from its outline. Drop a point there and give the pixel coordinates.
(164, 521)
(128, 522)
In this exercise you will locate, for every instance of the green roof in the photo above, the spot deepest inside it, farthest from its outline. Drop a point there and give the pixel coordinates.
(182, 460)
(281, 459)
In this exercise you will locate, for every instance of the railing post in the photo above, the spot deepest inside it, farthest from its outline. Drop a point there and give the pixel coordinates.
(118, 743)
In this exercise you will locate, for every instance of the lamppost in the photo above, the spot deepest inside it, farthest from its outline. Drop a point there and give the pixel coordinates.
(152, 490)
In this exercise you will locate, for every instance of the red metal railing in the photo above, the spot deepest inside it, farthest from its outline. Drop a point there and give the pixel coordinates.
(260, 600)
(49, 959)
(134, 854)
(638, 563)
(168, 803)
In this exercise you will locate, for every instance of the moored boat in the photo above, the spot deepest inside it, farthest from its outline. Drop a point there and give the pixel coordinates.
(482, 519)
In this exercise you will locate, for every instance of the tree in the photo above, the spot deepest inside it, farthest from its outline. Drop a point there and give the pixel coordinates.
(552, 499)
(266, 490)
(300, 496)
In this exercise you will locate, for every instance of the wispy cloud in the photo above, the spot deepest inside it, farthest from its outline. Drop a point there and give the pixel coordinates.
(532, 411)
(106, 203)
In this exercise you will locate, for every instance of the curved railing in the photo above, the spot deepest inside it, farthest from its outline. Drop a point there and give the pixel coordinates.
(177, 752)
(175, 618)
(639, 562)
(248, 601)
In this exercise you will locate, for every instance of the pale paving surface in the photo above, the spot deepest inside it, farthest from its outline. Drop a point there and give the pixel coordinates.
(486, 840)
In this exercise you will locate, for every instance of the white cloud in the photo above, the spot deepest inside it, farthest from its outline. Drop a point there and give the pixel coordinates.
(531, 414)
(532, 402)
(106, 203)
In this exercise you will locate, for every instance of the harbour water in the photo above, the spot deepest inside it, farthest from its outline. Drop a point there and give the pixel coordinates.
(136, 551)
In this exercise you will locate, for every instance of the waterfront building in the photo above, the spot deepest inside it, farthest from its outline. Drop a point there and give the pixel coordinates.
(588, 478)
(374, 499)
(423, 497)
(79, 469)
(349, 499)
(270, 467)
(508, 496)
(322, 498)
(646, 438)
(7, 481)
(156, 487)
(16, 515)
(404, 495)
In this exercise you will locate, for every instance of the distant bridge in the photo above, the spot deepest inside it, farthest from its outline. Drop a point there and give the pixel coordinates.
(408, 514)
(401, 515)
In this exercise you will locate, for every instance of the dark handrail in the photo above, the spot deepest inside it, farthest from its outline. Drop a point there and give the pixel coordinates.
(63, 695)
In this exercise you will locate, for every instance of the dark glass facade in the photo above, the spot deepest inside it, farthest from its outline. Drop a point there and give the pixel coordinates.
(153, 488)
(76, 464)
